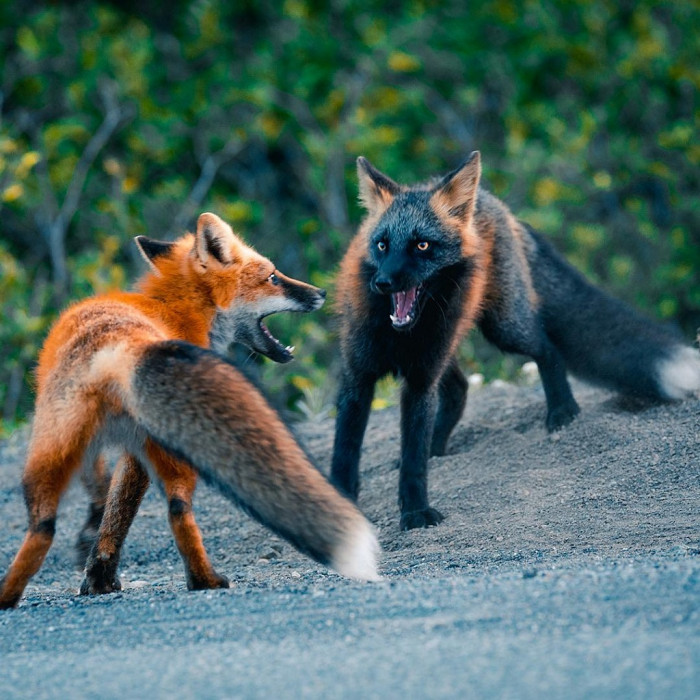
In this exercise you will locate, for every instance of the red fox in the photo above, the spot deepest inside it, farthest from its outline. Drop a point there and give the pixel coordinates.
(132, 369)
(434, 260)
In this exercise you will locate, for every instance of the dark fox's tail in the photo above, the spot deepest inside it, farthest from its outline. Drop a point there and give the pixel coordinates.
(604, 340)
(203, 410)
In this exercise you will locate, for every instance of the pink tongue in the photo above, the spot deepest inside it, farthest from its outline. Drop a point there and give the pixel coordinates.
(403, 303)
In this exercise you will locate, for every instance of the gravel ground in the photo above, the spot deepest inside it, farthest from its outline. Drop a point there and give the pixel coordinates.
(567, 566)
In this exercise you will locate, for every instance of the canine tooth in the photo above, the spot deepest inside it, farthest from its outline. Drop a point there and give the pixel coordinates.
(394, 319)
(290, 348)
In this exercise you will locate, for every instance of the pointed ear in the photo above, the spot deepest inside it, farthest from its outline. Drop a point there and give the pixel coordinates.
(151, 249)
(455, 195)
(214, 239)
(377, 191)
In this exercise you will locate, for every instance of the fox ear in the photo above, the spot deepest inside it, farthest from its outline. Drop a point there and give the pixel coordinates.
(151, 250)
(214, 239)
(377, 191)
(455, 195)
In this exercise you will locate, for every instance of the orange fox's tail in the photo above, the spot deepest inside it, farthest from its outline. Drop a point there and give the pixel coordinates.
(203, 410)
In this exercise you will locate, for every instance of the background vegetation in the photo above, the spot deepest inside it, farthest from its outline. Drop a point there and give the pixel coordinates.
(119, 119)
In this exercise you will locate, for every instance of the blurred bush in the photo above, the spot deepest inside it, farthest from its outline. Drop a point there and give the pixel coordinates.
(119, 119)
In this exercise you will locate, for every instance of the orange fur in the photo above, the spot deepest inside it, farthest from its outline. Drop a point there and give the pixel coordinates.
(89, 357)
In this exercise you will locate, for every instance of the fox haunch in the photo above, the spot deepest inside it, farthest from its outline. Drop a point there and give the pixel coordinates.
(131, 370)
(432, 261)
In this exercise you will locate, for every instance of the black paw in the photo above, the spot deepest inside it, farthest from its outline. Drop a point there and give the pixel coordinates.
(98, 585)
(421, 518)
(438, 448)
(204, 584)
(562, 415)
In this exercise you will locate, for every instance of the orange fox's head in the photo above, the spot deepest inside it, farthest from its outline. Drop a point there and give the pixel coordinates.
(243, 286)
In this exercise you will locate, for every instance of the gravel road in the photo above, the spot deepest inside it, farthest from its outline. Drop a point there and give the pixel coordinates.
(567, 566)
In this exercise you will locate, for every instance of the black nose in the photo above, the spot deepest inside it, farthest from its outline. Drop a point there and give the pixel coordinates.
(323, 293)
(382, 284)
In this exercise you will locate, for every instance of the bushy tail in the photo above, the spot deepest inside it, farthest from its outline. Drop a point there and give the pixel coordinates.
(607, 342)
(203, 410)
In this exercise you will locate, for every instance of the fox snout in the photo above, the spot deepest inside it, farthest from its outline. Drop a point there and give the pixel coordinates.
(381, 284)
(388, 282)
(306, 296)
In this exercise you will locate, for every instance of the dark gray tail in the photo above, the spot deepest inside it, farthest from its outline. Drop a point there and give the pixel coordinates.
(605, 341)
(202, 410)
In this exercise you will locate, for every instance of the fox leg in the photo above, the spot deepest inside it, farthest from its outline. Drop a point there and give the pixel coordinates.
(354, 404)
(561, 404)
(96, 480)
(529, 338)
(129, 484)
(179, 481)
(46, 475)
(452, 394)
(417, 420)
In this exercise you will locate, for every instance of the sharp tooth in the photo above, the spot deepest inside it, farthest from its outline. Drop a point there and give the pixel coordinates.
(394, 319)
(290, 349)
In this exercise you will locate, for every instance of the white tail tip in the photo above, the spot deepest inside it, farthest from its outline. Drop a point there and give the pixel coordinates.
(356, 556)
(679, 375)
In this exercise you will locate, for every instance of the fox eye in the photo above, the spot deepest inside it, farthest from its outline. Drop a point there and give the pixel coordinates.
(381, 245)
(423, 246)
(274, 278)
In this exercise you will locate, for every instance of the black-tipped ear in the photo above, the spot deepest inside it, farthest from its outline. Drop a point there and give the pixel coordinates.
(151, 249)
(214, 238)
(455, 195)
(377, 190)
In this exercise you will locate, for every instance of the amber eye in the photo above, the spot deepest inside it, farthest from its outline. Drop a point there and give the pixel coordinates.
(423, 246)
(273, 278)
(381, 245)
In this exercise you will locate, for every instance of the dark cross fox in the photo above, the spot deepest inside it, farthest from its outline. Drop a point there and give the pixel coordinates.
(429, 263)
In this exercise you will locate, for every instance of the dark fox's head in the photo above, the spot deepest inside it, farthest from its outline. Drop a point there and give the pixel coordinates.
(416, 233)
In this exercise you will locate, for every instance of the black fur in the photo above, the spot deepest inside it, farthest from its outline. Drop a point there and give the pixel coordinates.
(418, 355)
(308, 296)
(177, 507)
(542, 308)
(601, 339)
(46, 527)
(153, 249)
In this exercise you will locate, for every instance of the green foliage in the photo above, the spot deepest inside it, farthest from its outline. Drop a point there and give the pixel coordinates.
(585, 112)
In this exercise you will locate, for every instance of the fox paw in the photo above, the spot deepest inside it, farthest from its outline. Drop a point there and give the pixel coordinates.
(562, 415)
(427, 517)
(212, 581)
(91, 586)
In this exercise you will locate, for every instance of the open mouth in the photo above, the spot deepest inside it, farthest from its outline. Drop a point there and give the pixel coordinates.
(272, 347)
(405, 307)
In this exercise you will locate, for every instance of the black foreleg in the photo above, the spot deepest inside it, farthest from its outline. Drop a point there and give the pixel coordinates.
(353, 405)
(417, 421)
